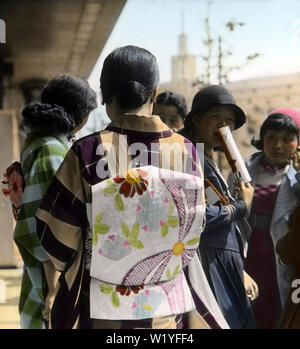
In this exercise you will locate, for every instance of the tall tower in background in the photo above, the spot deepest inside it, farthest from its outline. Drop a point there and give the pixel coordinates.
(183, 65)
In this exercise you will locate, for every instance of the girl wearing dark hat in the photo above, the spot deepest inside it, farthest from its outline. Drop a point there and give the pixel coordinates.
(66, 102)
(274, 176)
(221, 246)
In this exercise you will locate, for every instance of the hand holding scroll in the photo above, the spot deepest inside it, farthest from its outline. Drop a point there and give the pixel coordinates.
(245, 192)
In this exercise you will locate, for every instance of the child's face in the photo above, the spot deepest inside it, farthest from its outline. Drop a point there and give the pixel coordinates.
(279, 146)
(169, 114)
(206, 125)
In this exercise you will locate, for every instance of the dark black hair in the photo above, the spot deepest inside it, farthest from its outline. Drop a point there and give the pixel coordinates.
(130, 74)
(173, 99)
(65, 101)
(276, 122)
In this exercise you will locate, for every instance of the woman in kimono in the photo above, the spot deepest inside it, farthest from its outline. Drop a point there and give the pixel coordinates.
(222, 242)
(276, 189)
(66, 102)
(117, 221)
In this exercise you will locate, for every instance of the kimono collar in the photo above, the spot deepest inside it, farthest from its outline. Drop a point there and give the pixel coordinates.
(271, 168)
(140, 123)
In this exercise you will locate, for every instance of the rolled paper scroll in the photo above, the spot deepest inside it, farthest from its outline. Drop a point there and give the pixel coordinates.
(233, 155)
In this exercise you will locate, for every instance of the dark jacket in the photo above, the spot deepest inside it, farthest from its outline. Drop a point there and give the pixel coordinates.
(220, 230)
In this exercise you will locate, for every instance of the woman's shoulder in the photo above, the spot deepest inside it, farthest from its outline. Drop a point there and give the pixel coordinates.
(35, 139)
(253, 158)
(91, 141)
(38, 144)
(88, 148)
(176, 137)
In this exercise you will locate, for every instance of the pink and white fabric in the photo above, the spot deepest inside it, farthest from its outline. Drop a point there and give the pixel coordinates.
(146, 229)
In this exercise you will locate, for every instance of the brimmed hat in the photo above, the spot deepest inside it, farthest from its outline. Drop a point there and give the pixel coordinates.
(212, 96)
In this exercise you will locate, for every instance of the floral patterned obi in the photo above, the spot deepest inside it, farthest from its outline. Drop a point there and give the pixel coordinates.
(146, 228)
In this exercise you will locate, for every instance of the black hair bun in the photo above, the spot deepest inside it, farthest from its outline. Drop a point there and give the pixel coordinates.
(47, 117)
(132, 94)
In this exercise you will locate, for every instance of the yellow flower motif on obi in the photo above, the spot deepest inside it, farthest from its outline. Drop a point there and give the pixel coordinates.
(147, 307)
(178, 248)
(132, 176)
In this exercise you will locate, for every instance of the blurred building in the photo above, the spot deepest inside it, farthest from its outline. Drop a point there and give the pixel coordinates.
(43, 38)
(184, 64)
(256, 97)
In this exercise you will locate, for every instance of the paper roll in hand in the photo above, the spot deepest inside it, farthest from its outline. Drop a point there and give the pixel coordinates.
(233, 155)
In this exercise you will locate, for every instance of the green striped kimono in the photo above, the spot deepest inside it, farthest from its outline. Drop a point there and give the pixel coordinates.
(41, 157)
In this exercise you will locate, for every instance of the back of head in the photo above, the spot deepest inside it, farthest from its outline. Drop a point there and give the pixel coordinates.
(211, 96)
(65, 101)
(72, 93)
(173, 99)
(131, 75)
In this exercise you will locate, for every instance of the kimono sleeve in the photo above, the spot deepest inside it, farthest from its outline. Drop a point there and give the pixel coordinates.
(38, 174)
(203, 296)
(61, 217)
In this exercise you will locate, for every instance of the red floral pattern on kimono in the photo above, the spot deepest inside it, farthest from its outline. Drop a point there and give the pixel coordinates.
(15, 186)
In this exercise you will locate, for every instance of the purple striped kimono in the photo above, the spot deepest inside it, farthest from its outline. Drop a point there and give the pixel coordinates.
(80, 238)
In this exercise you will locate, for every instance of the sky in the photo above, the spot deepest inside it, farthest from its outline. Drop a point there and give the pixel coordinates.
(271, 28)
